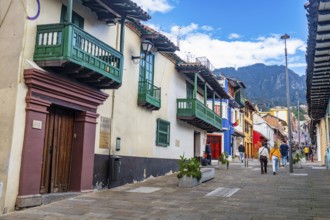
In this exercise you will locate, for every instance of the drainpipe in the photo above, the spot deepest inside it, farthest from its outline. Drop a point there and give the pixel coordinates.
(205, 94)
(122, 34)
(213, 100)
(121, 49)
(69, 12)
(195, 86)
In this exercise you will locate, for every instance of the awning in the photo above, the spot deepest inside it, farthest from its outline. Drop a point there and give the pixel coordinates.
(261, 136)
(318, 57)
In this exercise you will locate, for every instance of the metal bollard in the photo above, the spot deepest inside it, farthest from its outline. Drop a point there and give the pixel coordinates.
(328, 158)
(246, 162)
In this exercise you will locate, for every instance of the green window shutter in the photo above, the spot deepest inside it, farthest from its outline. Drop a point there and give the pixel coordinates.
(76, 19)
(163, 133)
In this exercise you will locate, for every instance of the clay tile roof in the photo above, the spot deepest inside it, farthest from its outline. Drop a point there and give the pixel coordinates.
(189, 70)
(159, 41)
(111, 11)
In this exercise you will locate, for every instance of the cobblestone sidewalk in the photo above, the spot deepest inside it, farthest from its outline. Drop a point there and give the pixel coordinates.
(238, 193)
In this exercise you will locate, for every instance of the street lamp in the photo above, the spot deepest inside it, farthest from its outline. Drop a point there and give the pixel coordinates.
(298, 120)
(285, 37)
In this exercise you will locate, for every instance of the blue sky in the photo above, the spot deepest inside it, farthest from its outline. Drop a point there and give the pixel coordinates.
(233, 33)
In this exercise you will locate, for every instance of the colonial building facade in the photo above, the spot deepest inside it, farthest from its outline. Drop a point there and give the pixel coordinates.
(84, 105)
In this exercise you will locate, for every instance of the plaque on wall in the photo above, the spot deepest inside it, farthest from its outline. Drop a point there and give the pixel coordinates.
(104, 132)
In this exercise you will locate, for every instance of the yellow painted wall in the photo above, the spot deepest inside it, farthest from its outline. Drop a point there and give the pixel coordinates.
(280, 113)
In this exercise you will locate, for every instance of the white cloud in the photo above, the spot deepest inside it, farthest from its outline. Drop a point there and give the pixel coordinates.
(234, 36)
(194, 42)
(177, 30)
(151, 6)
(207, 28)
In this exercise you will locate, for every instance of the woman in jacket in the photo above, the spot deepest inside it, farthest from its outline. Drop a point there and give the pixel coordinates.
(275, 157)
(263, 157)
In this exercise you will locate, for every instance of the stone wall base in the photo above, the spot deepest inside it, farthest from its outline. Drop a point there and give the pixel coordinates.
(28, 201)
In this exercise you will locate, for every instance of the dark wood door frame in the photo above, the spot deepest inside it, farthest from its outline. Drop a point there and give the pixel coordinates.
(44, 90)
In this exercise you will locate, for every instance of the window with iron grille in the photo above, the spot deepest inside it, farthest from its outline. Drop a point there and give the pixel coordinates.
(163, 133)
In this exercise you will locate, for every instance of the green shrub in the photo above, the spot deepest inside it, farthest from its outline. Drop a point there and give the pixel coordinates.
(189, 167)
(223, 159)
(297, 157)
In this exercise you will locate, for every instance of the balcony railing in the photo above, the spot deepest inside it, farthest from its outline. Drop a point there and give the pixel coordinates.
(67, 49)
(149, 95)
(197, 114)
(239, 99)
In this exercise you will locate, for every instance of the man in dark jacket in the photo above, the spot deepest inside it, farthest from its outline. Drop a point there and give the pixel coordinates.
(284, 148)
(241, 150)
(208, 152)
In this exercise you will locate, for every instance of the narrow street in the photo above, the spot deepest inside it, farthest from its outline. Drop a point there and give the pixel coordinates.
(238, 193)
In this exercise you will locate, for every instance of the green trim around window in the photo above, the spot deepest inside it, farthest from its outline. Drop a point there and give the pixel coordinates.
(147, 66)
(76, 19)
(163, 133)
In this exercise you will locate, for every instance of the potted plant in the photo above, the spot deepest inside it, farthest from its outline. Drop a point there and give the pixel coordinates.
(189, 173)
(223, 159)
(296, 160)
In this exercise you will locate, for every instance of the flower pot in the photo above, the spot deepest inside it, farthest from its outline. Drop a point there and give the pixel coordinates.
(223, 166)
(297, 165)
(187, 181)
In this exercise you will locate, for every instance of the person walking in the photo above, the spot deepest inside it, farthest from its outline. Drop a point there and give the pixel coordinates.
(241, 150)
(208, 153)
(306, 151)
(284, 149)
(275, 157)
(311, 154)
(263, 157)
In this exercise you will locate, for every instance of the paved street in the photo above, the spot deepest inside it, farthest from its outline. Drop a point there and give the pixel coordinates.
(238, 193)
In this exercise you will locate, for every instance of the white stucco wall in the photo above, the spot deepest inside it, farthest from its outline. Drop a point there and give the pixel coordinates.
(17, 38)
(261, 126)
(135, 125)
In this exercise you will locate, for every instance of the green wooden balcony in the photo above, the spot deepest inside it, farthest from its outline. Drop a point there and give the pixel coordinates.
(239, 99)
(197, 114)
(66, 49)
(149, 95)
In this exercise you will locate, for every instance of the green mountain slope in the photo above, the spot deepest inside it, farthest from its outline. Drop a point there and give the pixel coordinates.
(266, 85)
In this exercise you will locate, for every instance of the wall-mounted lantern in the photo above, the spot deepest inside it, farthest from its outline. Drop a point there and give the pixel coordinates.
(146, 48)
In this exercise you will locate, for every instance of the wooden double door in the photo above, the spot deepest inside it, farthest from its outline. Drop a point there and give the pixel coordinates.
(57, 151)
(215, 142)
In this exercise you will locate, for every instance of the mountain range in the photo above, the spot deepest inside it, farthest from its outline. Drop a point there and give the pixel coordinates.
(266, 85)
